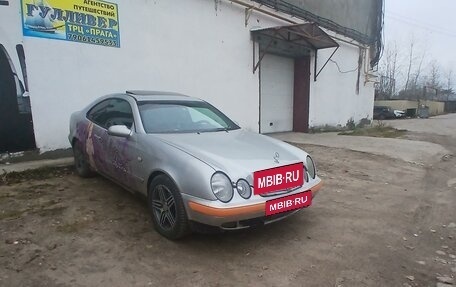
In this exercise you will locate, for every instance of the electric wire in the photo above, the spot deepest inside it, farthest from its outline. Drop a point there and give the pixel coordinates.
(422, 26)
(340, 70)
(420, 23)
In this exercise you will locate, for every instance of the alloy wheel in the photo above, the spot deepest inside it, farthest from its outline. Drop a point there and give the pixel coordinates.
(164, 207)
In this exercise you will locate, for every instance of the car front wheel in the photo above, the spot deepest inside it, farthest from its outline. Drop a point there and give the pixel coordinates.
(167, 208)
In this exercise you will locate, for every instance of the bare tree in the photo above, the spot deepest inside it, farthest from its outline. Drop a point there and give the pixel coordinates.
(418, 71)
(449, 84)
(434, 75)
(410, 58)
(411, 69)
(449, 79)
(388, 73)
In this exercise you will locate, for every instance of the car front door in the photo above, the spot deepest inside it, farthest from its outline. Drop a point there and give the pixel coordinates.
(97, 136)
(122, 152)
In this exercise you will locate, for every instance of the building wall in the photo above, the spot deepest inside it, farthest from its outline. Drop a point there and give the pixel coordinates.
(181, 46)
(193, 47)
(333, 97)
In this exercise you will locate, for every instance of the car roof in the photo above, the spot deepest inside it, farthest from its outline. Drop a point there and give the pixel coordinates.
(142, 95)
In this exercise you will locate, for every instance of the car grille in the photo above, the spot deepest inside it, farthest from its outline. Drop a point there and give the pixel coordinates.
(256, 222)
(270, 194)
(259, 221)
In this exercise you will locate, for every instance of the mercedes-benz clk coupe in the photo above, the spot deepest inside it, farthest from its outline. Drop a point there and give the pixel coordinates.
(195, 166)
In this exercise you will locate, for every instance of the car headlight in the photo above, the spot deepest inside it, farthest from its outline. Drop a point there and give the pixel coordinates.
(221, 187)
(310, 167)
(244, 189)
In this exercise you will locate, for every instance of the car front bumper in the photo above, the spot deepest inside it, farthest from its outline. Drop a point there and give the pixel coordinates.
(239, 217)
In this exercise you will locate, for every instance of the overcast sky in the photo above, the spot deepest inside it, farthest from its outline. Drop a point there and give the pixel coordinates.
(431, 23)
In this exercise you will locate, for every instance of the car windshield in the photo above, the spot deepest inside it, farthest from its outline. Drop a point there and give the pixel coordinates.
(183, 117)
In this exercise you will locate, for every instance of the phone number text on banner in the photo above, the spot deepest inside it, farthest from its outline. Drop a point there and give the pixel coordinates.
(85, 21)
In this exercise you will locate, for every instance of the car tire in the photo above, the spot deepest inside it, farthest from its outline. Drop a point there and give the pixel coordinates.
(167, 208)
(80, 161)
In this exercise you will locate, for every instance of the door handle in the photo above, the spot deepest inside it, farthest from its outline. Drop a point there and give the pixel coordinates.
(97, 137)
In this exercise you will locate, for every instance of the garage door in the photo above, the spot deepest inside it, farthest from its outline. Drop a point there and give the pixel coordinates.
(276, 92)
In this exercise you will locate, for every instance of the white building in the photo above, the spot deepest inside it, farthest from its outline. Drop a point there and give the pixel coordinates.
(218, 50)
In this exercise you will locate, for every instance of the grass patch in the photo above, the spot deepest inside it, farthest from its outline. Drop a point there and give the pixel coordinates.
(379, 131)
(35, 174)
(29, 194)
(72, 227)
(5, 196)
(326, 129)
(58, 210)
(42, 209)
(12, 214)
(350, 125)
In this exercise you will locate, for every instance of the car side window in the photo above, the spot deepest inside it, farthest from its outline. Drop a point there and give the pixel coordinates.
(112, 112)
(97, 113)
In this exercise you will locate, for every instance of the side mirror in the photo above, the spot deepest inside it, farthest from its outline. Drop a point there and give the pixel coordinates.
(119, 131)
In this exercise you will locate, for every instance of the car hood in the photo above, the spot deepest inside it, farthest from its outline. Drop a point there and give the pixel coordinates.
(238, 153)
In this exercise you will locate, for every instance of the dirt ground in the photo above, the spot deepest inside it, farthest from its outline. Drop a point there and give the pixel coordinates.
(377, 222)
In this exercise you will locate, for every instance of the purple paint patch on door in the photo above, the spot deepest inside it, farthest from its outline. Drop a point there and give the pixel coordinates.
(120, 159)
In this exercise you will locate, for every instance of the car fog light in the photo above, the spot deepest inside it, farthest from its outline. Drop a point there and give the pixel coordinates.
(244, 189)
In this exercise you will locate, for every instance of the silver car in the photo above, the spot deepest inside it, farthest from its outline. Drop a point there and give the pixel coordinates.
(195, 166)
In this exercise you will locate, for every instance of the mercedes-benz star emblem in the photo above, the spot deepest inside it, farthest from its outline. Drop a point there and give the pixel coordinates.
(276, 157)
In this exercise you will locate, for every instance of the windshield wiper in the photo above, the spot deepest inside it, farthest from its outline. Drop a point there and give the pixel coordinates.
(213, 130)
(220, 130)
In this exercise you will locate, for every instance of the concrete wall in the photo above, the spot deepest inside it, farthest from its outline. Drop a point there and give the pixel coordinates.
(183, 46)
(435, 108)
(360, 15)
(398, 104)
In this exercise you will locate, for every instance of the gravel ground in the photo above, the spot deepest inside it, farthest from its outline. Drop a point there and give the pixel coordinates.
(377, 222)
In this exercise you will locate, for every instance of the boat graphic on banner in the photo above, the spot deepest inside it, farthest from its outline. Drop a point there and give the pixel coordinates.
(85, 21)
(36, 22)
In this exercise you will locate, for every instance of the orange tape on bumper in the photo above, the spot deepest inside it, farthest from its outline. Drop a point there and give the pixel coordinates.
(225, 212)
(235, 211)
